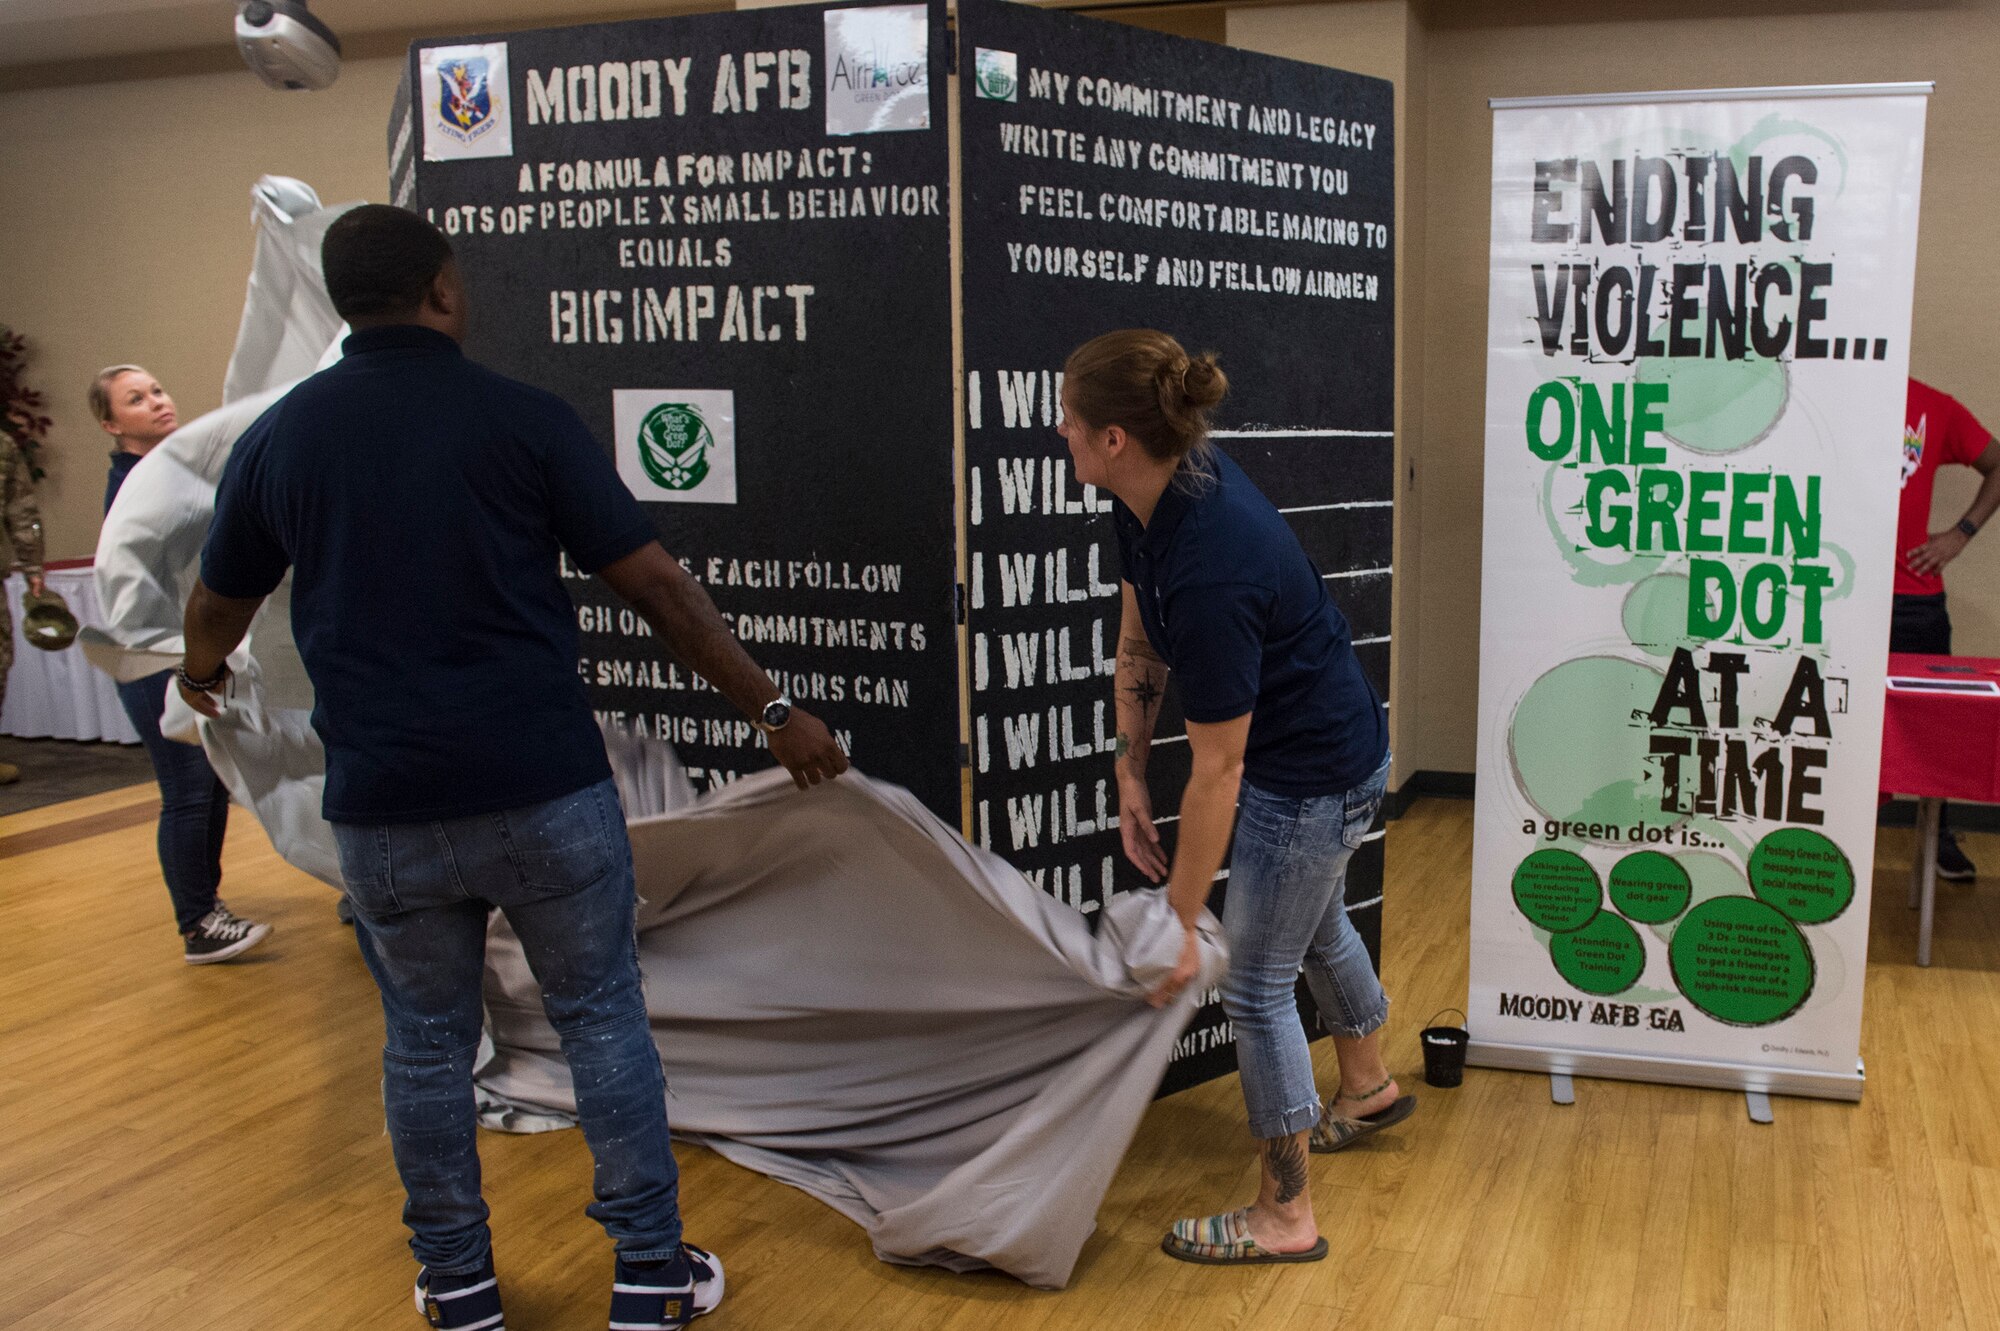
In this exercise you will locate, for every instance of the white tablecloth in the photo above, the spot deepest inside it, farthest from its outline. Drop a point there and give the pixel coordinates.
(60, 695)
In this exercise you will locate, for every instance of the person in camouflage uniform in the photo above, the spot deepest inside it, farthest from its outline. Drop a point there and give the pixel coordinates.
(24, 541)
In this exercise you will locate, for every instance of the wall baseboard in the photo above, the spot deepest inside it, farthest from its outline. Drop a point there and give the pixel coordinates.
(1443, 785)
(1964, 817)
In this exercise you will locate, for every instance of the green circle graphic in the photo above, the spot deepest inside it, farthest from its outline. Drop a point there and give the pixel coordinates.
(1557, 890)
(1655, 614)
(1803, 874)
(1603, 957)
(1650, 887)
(1576, 752)
(1719, 406)
(673, 446)
(1741, 961)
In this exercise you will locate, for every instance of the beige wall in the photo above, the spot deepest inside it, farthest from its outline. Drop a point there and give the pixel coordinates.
(1463, 57)
(1381, 38)
(125, 236)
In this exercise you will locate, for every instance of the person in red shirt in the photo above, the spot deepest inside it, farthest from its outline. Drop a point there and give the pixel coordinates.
(1937, 431)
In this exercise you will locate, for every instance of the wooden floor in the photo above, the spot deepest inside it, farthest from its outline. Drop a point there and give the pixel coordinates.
(202, 1148)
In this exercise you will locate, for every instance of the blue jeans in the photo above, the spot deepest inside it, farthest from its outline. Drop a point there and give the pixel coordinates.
(194, 804)
(562, 874)
(1287, 907)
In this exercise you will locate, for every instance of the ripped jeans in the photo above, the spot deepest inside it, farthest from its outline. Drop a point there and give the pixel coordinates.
(1287, 907)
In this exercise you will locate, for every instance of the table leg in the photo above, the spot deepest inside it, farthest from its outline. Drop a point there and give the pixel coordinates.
(1917, 858)
(1931, 813)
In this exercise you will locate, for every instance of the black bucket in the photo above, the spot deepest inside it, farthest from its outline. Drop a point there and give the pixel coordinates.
(1444, 1052)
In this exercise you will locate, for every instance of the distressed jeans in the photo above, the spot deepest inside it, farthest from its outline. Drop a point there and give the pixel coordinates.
(562, 873)
(1287, 907)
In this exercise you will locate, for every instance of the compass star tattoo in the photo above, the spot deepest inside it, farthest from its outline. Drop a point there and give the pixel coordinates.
(1146, 693)
(1147, 673)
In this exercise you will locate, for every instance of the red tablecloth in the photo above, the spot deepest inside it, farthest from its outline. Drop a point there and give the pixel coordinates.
(1942, 745)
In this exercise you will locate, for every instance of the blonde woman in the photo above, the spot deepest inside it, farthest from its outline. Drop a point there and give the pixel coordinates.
(194, 806)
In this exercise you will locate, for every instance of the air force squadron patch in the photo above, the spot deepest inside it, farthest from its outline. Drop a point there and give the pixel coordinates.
(468, 106)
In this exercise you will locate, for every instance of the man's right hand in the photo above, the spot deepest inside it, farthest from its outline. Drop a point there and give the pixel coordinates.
(1135, 828)
(807, 749)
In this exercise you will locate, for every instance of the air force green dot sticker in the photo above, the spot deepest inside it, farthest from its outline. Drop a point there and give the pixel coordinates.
(673, 446)
(676, 447)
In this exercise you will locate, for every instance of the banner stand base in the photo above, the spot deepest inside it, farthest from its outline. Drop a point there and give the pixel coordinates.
(1563, 1064)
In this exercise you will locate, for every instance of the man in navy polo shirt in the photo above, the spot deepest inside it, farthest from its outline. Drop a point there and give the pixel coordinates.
(421, 503)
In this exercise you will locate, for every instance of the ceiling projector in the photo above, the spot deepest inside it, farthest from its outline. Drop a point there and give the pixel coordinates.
(286, 45)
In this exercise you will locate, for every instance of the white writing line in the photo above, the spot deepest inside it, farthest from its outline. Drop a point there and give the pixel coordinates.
(1369, 642)
(1364, 905)
(1301, 434)
(1352, 503)
(1359, 573)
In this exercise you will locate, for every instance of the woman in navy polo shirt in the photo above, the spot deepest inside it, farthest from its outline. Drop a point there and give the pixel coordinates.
(1289, 746)
(194, 806)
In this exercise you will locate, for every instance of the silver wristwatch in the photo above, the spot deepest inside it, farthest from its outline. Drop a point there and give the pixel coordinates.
(776, 714)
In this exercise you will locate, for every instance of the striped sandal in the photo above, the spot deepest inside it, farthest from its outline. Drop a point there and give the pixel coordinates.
(1334, 1132)
(1224, 1240)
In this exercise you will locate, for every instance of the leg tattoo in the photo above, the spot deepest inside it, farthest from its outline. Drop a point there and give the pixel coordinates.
(1285, 1157)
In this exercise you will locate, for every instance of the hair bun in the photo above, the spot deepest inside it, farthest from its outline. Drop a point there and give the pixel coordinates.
(1144, 381)
(1202, 382)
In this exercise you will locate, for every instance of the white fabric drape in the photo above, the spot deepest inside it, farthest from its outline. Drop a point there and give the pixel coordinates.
(56, 695)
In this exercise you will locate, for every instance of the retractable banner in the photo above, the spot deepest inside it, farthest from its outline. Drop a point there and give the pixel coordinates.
(1697, 353)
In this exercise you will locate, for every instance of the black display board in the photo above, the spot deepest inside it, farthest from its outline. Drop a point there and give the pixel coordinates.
(695, 214)
(1115, 177)
(682, 236)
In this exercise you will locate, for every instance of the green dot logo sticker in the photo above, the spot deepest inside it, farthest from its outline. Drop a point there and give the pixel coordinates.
(995, 74)
(673, 446)
(676, 445)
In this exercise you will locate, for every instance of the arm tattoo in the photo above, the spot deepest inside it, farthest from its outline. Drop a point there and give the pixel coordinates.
(1140, 650)
(1147, 674)
(1147, 693)
(1285, 1158)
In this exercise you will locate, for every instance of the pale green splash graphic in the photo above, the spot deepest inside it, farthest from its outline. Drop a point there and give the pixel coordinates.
(1655, 615)
(1601, 779)
(1718, 407)
(1586, 569)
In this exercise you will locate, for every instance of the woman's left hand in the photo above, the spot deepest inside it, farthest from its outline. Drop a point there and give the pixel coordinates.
(1184, 972)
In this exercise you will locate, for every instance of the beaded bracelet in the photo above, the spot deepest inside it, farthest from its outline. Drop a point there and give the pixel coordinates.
(208, 685)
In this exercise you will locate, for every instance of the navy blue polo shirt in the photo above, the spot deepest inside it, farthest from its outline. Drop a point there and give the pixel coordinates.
(1231, 602)
(121, 467)
(421, 501)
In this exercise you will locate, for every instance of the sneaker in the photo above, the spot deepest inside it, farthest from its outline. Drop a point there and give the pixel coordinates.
(221, 935)
(1951, 861)
(665, 1296)
(468, 1302)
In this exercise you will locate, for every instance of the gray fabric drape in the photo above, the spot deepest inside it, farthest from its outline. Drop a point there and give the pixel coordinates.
(845, 995)
(850, 999)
